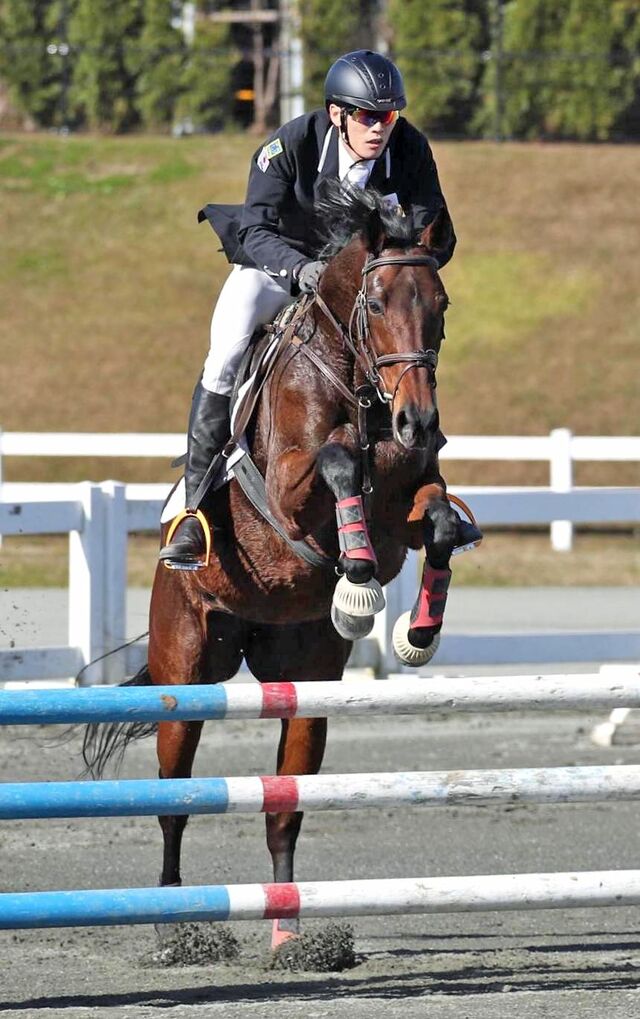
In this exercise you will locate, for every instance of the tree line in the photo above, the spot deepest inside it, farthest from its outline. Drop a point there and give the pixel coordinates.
(473, 68)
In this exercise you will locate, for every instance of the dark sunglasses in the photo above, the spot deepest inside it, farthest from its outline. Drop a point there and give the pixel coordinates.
(369, 117)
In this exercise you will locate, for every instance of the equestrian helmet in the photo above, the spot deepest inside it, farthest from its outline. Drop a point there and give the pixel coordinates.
(367, 80)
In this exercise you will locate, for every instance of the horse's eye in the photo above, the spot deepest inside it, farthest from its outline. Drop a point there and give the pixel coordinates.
(375, 306)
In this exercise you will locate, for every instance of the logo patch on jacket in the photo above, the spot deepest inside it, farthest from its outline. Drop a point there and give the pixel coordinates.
(274, 148)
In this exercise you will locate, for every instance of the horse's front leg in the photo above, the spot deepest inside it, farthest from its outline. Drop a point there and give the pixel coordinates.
(358, 596)
(338, 464)
(416, 635)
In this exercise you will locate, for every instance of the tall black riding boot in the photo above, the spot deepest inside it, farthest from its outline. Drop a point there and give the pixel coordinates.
(208, 433)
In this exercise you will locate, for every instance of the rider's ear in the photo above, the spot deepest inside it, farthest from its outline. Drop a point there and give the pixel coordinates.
(437, 236)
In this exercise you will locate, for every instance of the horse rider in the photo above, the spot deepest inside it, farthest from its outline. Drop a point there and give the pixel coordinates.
(357, 137)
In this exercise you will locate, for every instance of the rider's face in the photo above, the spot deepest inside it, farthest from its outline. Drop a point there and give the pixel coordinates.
(366, 140)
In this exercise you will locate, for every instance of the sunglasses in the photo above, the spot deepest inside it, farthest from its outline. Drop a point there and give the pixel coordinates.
(368, 118)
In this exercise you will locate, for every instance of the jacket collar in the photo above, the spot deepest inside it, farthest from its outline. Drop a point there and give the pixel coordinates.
(328, 161)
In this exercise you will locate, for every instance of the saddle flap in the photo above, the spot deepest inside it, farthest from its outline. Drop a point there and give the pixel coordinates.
(257, 366)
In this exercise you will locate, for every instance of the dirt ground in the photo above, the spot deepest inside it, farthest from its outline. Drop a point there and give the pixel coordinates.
(577, 963)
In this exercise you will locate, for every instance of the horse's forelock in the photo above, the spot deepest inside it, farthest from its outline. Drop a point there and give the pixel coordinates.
(345, 212)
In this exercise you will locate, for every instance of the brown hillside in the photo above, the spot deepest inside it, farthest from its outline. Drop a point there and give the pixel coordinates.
(107, 284)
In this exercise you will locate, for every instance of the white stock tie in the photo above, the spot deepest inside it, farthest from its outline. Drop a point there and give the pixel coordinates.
(358, 174)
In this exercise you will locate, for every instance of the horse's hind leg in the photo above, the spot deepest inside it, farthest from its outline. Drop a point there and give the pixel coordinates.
(176, 747)
(300, 752)
(310, 651)
(188, 643)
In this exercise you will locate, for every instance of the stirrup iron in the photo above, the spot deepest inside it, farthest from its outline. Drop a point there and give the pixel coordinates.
(175, 523)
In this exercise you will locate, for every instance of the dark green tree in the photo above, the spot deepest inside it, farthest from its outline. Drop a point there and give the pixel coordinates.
(205, 98)
(329, 28)
(105, 38)
(626, 53)
(34, 57)
(160, 66)
(438, 46)
(564, 68)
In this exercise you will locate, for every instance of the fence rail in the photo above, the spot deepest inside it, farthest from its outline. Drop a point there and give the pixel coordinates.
(561, 449)
(99, 517)
(270, 793)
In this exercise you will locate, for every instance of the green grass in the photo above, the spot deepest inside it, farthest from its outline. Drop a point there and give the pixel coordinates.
(67, 167)
(515, 287)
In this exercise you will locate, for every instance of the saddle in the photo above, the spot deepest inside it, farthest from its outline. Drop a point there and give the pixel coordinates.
(263, 354)
(258, 364)
(260, 359)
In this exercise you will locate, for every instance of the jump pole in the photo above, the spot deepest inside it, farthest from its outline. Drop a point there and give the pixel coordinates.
(319, 899)
(20, 800)
(319, 699)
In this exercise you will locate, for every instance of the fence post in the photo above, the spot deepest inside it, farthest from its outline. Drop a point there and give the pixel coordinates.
(86, 582)
(115, 579)
(561, 480)
(1, 451)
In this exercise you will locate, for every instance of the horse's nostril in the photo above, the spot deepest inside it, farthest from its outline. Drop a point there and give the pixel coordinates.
(401, 421)
(414, 426)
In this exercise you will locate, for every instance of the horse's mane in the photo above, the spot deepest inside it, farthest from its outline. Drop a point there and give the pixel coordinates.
(344, 212)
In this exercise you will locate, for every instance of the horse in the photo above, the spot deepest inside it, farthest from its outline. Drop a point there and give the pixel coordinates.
(347, 426)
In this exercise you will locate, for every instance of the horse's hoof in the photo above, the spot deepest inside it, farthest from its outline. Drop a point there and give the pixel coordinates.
(329, 950)
(280, 937)
(351, 627)
(358, 599)
(192, 944)
(404, 650)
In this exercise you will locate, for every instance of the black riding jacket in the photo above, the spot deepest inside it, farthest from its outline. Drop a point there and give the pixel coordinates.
(276, 230)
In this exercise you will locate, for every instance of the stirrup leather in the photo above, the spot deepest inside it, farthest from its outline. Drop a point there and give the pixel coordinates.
(202, 520)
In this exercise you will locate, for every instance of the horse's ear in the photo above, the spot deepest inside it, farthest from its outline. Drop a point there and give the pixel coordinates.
(374, 234)
(437, 236)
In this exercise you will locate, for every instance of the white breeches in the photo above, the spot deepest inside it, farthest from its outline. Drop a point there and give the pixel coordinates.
(248, 299)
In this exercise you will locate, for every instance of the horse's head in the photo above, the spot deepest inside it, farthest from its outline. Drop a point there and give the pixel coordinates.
(398, 304)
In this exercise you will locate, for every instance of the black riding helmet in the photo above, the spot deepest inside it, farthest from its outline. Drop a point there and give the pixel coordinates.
(366, 80)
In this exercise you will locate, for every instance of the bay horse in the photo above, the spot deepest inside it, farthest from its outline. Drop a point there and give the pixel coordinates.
(365, 348)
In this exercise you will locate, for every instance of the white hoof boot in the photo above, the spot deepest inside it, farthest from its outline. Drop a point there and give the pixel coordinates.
(358, 599)
(351, 627)
(404, 650)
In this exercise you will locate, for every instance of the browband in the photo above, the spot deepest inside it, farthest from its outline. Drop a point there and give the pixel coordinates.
(400, 260)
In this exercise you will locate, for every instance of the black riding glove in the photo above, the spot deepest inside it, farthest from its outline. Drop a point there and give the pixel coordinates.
(308, 276)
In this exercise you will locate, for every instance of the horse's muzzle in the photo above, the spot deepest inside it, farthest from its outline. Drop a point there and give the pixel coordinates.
(414, 427)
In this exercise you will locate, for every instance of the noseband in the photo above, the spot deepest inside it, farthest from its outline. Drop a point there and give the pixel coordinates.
(358, 340)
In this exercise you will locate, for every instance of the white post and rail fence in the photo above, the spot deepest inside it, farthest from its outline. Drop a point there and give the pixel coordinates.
(560, 449)
(98, 517)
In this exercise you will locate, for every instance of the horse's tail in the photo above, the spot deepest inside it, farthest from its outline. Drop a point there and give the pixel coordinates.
(104, 743)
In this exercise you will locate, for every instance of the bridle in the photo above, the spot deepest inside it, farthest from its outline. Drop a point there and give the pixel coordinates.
(357, 339)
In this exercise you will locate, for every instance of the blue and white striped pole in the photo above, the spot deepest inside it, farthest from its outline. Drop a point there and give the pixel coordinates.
(319, 699)
(319, 898)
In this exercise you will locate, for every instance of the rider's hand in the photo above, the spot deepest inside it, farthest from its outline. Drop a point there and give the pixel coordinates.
(309, 276)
